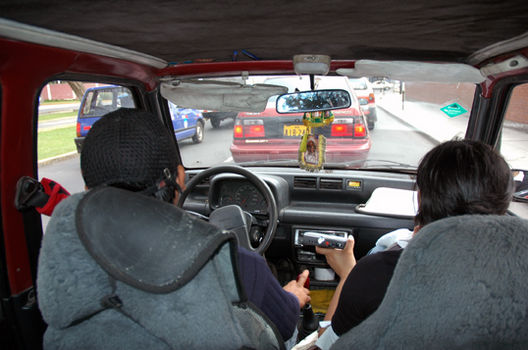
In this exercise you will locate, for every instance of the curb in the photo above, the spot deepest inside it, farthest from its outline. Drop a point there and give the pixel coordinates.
(42, 125)
(52, 160)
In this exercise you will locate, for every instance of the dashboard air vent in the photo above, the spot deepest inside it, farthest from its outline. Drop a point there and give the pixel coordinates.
(304, 182)
(331, 184)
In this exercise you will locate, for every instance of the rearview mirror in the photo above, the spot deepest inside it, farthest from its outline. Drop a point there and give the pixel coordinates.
(312, 101)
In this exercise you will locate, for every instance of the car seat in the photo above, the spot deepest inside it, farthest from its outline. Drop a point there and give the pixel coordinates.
(119, 270)
(461, 283)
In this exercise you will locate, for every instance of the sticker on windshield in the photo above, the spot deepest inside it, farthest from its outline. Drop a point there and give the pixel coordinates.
(453, 110)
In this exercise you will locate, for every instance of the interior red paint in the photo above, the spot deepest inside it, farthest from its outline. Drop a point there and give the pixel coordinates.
(22, 77)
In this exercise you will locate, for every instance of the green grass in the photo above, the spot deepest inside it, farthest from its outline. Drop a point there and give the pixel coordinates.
(55, 142)
(51, 116)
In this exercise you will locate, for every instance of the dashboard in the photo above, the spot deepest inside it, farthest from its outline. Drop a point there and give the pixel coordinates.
(329, 202)
(239, 192)
(324, 201)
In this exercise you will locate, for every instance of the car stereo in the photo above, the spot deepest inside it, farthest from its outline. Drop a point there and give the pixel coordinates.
(306, 238)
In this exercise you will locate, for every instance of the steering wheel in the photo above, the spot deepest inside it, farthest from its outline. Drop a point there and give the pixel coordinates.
(242, 235)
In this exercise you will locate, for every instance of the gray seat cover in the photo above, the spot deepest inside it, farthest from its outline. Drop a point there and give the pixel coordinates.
(200, 308)
(137, 238)
(462, 283)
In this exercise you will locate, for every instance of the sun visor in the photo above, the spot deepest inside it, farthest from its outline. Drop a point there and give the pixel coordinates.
(415, 71)
(220, 96)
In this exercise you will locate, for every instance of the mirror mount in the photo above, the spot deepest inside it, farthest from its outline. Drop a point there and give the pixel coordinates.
(311, 64)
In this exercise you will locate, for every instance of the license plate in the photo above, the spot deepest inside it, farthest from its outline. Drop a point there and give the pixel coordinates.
(294, 130)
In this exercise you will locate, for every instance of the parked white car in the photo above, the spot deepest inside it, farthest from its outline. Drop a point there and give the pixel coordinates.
(367, 100)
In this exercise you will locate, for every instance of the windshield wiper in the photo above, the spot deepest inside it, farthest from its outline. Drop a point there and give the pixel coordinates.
(377, 164)
(280, 162)
(369, 164)
(389, 164)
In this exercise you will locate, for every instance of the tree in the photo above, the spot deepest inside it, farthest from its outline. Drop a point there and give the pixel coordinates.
(78, 88)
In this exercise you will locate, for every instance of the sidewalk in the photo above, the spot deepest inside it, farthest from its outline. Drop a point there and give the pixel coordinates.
(424, 117)
(432, 122)
(51, 160)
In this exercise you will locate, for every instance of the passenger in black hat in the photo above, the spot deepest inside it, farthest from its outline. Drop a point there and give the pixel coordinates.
(132, 150)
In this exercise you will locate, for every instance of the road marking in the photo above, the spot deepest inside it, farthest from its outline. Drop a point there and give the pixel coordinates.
(228, 160)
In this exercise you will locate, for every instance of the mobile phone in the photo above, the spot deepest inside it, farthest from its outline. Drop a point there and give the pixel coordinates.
(323, 240)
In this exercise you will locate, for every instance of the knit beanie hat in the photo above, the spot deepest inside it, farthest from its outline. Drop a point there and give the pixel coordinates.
(130, 148)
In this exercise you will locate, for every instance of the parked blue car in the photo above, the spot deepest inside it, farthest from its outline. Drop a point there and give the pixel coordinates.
(98, 101)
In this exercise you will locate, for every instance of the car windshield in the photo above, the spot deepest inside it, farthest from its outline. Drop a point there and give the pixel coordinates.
(385, 128)
(359, 83)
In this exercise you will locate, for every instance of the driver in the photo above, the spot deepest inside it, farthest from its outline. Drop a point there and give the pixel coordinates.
(132, 150)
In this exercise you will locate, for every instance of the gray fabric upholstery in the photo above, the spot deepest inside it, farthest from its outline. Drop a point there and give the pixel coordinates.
(200, 314)
(461, 283)
(146, 236)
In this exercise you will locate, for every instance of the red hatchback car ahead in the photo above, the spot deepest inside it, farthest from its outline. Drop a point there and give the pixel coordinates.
(272, 136)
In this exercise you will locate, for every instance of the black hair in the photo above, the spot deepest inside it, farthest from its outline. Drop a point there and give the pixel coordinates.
(462, 177)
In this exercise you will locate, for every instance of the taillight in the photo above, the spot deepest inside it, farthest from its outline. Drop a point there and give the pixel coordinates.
(342, 127)
(371, 97)
(359, 130)
(238, 131)
(78, 129)
(249, 128)
(254, 131)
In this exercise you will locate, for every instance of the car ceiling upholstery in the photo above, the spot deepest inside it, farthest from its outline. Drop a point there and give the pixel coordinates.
(180, 31)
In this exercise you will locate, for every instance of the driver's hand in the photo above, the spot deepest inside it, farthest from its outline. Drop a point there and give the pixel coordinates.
(297, 288)
(341, 260)
(180, 180)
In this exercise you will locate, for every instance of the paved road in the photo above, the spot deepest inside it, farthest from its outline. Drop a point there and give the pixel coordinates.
(389, 131)
(55, 108)
(56, 123)
(214, 149)
(58, 107)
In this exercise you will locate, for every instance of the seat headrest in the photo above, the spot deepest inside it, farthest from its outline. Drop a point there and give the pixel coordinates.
(144, 242)
(460, 283)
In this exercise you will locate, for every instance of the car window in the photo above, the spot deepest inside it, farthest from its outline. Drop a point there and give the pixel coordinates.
(66, 112)
(100, 100)
(514, 138)
(359, 84)
(385, 128)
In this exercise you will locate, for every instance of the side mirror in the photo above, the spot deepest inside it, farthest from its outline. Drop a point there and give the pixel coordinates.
(312, 101)
(520, 180)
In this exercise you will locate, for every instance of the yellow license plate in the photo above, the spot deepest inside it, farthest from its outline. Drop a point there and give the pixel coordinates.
(294, 130)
